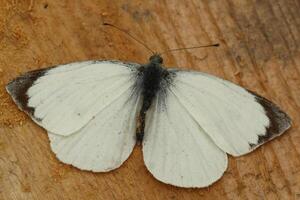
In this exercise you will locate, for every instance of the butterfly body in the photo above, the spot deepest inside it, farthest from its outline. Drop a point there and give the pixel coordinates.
(151, 77)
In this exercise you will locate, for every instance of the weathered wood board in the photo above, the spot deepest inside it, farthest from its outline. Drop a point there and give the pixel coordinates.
(259, 50)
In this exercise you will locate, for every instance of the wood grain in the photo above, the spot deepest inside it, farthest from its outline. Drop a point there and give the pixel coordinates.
(259, 50)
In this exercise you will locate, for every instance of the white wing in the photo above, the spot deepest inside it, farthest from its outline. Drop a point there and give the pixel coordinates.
(65, 98)
(237, 120)
(105, 142)
(176, 149)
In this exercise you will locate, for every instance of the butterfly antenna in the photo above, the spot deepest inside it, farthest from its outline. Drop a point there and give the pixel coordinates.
(127, 33)
(186, 48)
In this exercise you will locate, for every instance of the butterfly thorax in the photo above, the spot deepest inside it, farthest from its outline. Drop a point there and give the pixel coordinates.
(152, 75)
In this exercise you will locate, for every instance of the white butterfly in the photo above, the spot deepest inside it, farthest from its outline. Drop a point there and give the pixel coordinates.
(189, 121)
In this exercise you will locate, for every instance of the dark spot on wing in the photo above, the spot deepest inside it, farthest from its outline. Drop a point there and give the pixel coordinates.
(279, 120)
(18, 88)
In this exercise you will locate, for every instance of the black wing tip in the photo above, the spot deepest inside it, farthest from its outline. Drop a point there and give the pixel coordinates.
(18, 87)
(279, 120)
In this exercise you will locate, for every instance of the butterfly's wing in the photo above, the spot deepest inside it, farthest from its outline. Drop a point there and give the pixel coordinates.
(236, 119)
(176, 149)
(196, 119)
(105, 142)
(89, 110)
(64, 98)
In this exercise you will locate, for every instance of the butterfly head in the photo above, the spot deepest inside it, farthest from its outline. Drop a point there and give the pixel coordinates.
(156, 59)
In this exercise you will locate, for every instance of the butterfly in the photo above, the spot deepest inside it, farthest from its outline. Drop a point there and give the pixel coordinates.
(186, 121)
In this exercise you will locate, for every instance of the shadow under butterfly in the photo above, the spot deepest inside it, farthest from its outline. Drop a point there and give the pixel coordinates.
(189, 121)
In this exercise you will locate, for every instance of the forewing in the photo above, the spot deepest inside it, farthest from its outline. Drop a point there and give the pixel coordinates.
(176, 149)
(106, 141)
(64, 98)
(236, 119)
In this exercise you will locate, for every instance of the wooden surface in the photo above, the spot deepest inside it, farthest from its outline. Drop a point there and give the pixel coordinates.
(259, 50)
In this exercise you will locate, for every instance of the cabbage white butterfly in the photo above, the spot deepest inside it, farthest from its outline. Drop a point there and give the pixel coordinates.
(189, 121)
